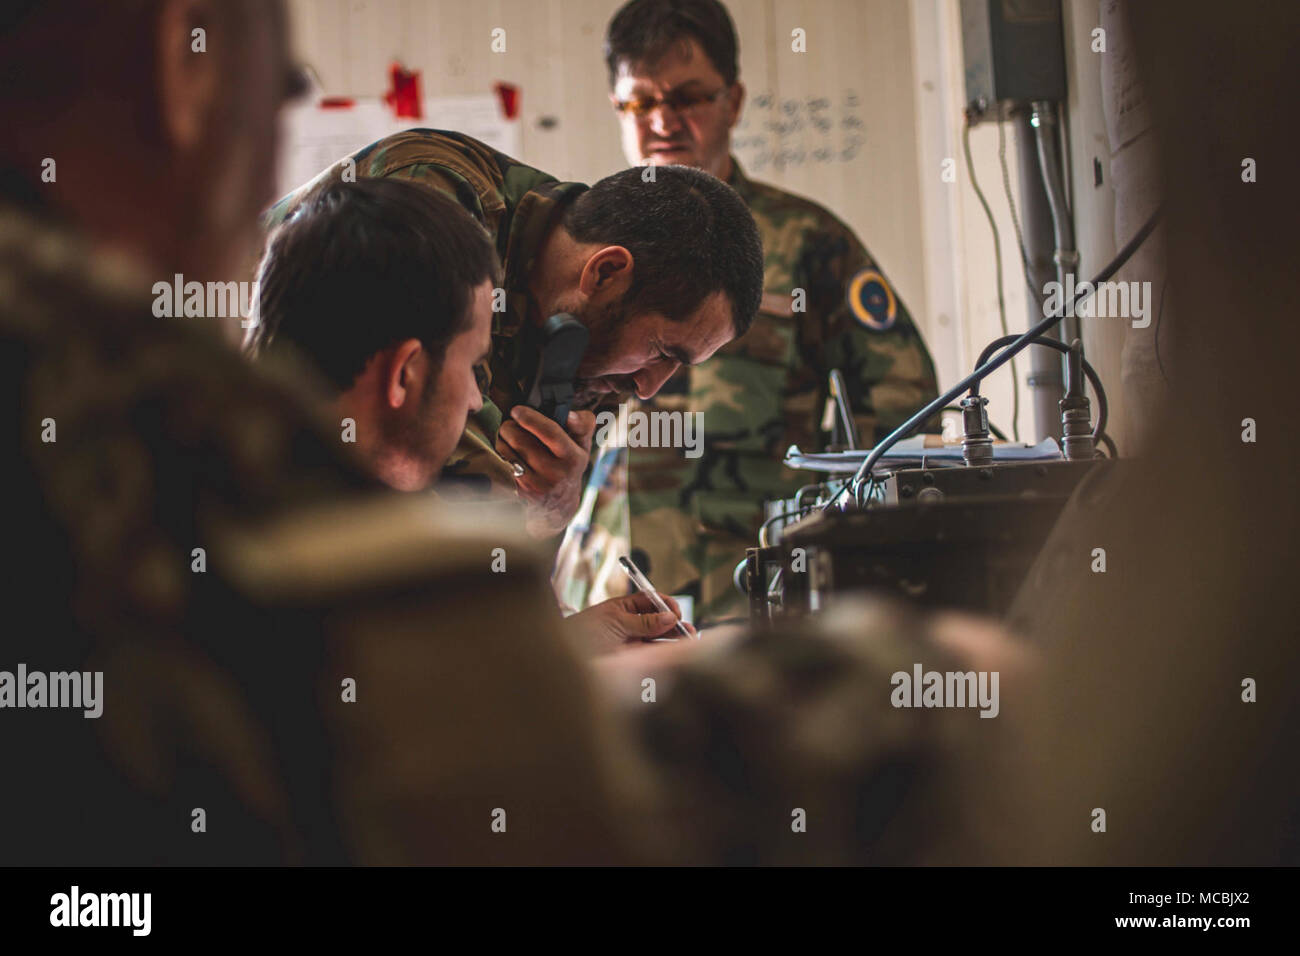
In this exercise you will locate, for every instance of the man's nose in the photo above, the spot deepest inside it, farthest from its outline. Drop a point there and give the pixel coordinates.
(664, 120)
(650, 380)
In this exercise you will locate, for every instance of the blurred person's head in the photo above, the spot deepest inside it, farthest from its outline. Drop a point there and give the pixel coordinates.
(663, 266)
(673, 81)
(160, 117)
(385, 287)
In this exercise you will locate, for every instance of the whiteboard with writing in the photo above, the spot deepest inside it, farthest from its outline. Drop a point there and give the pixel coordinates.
(779, 133)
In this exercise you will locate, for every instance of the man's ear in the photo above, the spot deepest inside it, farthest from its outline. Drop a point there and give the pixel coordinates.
(607, 272)
(735, 100)
(404, 370)
(188, 70)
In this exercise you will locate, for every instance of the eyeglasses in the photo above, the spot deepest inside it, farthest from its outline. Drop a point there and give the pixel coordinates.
(679, 101)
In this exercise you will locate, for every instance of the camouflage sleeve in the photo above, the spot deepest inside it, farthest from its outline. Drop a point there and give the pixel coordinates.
(370, 686)
(433, 175)
(866, 332)
(475, 461)
(459, 720)
(465, 169)
(455, 186)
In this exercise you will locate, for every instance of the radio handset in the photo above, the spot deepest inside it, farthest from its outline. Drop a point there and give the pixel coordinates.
(564, 341)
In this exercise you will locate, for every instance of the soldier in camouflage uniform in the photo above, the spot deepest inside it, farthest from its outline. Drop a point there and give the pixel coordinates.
(524, 209)
(827, 305)
(187, 526)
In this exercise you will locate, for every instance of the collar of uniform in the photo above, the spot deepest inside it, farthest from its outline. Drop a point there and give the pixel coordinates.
(531, 220)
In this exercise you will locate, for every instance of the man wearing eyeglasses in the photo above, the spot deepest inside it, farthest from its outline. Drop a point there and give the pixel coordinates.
(827, 305)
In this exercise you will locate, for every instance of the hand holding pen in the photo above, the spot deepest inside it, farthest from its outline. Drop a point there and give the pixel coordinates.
(643, 585)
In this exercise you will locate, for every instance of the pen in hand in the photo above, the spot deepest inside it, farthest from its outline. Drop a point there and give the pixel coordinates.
(642, 584)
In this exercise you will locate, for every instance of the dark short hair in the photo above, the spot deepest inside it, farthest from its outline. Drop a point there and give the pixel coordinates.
(644, 30)
(690, 236)
(361, 266)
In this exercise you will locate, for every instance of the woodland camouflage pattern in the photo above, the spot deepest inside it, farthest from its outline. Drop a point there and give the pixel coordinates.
(761, 393)
(517, 205)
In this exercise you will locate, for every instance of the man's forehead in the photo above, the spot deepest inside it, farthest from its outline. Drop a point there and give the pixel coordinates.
(683, 61)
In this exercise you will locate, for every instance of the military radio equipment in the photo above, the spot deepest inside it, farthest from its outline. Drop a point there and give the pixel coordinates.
(921, 520)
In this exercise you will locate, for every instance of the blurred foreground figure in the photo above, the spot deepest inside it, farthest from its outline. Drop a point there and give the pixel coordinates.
(181, 525)
(1169, 698)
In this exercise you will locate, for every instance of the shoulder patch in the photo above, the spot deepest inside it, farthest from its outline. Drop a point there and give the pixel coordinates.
(873, 301)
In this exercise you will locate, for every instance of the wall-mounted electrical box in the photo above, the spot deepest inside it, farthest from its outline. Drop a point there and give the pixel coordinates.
(1015, 53)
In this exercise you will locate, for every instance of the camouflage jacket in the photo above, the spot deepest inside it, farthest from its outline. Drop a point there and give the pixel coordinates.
(518, 206)
(185, 525)
(827, 305)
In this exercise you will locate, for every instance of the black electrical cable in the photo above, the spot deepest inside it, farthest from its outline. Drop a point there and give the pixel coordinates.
(1103, 409)
(923, 415)
(1121, 257)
